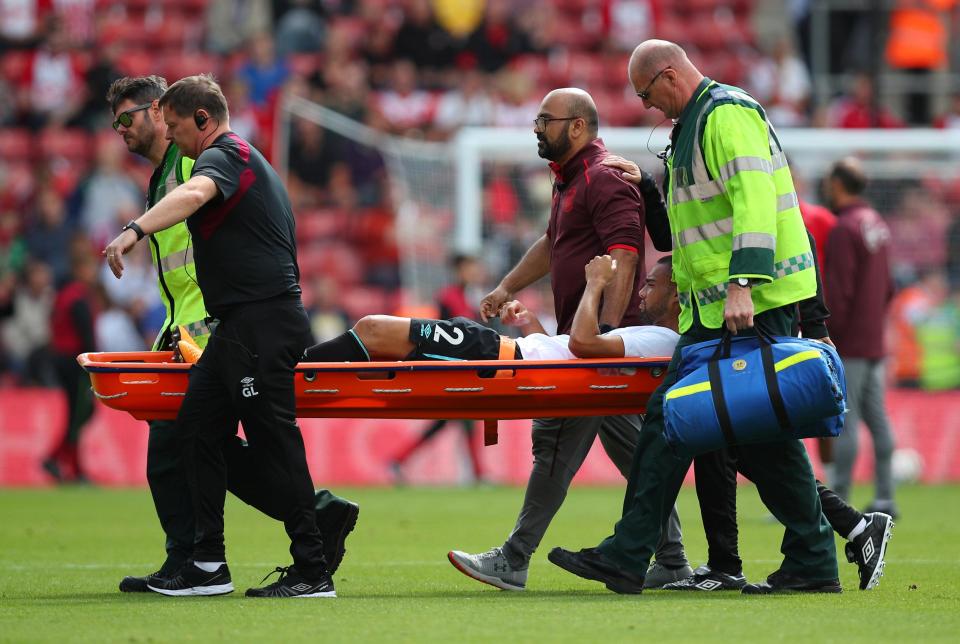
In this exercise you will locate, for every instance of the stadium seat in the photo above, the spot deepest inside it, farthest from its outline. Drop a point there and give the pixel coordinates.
(73, 145)
(137, 62)
(13, 64)
(15, 144)
(179, 65)
(358, 301)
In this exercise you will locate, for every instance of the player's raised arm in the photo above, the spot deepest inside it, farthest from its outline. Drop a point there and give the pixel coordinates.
(585, 338)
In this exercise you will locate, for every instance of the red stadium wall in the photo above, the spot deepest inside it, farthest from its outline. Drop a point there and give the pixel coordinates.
(356, 452)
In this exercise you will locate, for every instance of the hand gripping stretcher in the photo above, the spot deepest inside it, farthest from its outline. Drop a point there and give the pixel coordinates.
(149, 386)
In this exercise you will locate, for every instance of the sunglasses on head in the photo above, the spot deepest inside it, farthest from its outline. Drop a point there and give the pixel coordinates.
(125, 118)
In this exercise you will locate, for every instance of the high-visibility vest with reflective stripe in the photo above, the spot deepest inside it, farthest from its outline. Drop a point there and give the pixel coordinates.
(172, 255)
(733, 208)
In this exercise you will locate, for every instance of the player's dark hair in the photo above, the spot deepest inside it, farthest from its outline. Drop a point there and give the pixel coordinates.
(193, 93)
(139, 89)
(666, 259)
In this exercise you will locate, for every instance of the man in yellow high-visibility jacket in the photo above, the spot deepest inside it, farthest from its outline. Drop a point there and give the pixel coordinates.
(740, 256)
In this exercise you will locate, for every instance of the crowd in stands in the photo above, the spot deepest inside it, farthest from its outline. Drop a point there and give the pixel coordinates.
(411, 68)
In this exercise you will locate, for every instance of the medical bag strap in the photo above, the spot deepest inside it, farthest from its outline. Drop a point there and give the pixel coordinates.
(720, 403)
(773, 388)
(770, 375)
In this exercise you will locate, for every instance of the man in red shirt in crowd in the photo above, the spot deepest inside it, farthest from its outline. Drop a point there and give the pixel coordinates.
(859, 287)
(594, 212)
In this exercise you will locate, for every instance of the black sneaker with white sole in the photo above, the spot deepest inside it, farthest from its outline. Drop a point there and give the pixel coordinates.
(868, 549)
(706, 580)
(780, 582)
(291, 584)
(191, 581)
(131, 584)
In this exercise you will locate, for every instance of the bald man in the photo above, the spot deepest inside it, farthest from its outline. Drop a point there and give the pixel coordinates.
(594, 212)
(741, 256)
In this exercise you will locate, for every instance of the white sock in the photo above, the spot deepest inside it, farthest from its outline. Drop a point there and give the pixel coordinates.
(208, 566)
(857, 531)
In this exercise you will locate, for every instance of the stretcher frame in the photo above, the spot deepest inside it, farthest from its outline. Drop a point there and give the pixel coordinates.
(150, 386)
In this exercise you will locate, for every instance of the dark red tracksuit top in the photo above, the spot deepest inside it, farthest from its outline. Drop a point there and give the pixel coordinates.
(857, 281)
(594, 211)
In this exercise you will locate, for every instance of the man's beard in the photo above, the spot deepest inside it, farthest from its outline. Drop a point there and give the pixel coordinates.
(648, 317)
(555, 150)
(143, 142)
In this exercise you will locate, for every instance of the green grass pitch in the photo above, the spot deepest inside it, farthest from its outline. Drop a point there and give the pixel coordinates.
(63, 551)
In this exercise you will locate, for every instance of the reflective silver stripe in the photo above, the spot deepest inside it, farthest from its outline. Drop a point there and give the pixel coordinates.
(786, 202)
(702, 232)
(697, 192)
(754, 240)
(777, 159)
(177, 259)
(741, 164)
(685, 299)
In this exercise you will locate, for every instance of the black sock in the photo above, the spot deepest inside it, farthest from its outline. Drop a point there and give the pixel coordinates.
(842, 517)
(343, 348)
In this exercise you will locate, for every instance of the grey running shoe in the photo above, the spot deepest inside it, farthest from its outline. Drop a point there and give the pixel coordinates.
(491, 567)
(705, 579)
(869, 547)
(659, 575)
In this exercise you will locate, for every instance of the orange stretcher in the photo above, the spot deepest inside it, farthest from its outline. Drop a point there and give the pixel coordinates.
(149, 385)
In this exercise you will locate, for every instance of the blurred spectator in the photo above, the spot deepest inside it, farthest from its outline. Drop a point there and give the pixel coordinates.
(243, 116)
(467, 104)
(49, 233)
(107, 191)
(859, 287)
(782, 84)
(953, 254)
(917, 44)
(311, 153)
(910, 307)
(264, 72)
(406, 108)
(858, 110)
(327, 318)
(26, 333)
(459, 18)
(516, 105)
(78, 18)
(300, 30)
(231, 23)
(498, 39)
(628, 22)
(459, 299)
(939, 337)
(72, 327)
(420, 39)
(919, 228)
(97, 80)
(950, 120)
(116, 330)
(52, 83)
(136, 295)
(13, 249)
(20, 23)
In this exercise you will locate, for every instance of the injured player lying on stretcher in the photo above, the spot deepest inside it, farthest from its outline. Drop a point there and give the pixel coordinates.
(386, 337)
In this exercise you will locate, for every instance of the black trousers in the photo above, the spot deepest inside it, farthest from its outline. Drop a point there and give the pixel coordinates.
(717, 493)
(246, 374)
(171, 492)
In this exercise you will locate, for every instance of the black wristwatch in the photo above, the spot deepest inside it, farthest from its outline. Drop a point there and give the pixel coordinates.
(135, 227)
(742, 282)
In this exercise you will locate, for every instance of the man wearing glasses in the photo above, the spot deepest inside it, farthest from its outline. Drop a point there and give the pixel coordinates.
(594, 212)
(139, 120)
(741, 256)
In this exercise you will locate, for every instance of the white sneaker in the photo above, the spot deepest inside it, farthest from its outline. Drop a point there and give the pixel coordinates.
(490, 567)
